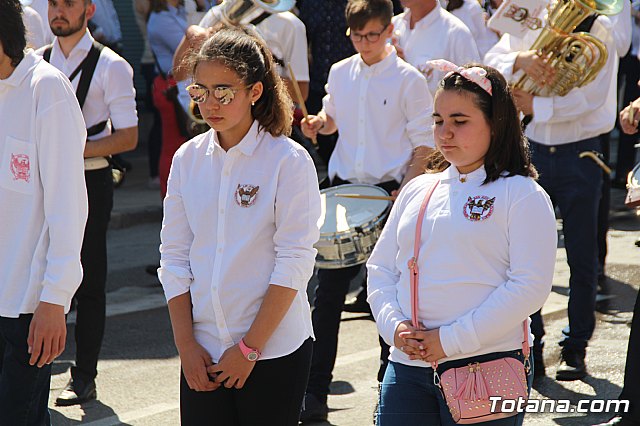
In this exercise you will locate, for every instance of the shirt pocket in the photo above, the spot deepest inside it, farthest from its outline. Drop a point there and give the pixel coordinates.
(17, 169)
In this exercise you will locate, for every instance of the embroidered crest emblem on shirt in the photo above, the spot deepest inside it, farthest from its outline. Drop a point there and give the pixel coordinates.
(246, 195)
(20, 167)
(478, 208)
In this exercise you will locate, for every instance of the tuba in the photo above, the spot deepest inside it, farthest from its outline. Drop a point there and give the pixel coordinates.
(576, 57)
(232, 12)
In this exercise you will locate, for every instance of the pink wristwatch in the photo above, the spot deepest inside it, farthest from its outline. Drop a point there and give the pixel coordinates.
(249, 353)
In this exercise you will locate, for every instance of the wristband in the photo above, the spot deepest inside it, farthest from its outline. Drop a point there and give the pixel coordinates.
(249, 353)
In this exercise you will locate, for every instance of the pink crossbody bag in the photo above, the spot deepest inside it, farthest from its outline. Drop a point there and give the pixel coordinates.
(467, 389)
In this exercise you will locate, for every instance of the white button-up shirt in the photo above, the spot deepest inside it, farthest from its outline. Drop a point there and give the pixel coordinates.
(584, 112)
(285, 35)
(383, 112)
(235, 222)
(111, 94)
(486, 262)
(439, 35)
(473, 16)
(43, 199)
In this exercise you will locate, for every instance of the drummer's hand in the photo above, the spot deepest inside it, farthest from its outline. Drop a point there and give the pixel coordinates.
(311, 125)
(627, 126)
(394, 194)
(196, 36)
(536, 67)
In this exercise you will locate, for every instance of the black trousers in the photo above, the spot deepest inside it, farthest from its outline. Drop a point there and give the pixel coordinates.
(90, 297)
(631, 390)
(272, 395)
(24, 388)
(603, 208)
(154, 142)
(333, 286)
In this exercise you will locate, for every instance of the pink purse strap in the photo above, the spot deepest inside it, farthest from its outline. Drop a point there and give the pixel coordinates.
(414, 276)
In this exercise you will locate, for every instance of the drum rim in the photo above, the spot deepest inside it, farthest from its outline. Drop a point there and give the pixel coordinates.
(372, 223)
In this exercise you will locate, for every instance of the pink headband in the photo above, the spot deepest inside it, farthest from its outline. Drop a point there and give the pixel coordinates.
(476, 75)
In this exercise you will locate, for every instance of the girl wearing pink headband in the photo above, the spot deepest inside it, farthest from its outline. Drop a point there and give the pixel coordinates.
(478, 282)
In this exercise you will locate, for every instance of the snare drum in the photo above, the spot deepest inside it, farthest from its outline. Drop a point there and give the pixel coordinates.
(349, 227)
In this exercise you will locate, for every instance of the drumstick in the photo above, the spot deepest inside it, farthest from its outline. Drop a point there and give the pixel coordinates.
(303, 107)
(367, 197)
(632, 113)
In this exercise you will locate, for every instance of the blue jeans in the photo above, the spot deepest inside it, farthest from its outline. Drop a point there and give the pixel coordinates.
(24, 389)
(409, 397)
(574, 185)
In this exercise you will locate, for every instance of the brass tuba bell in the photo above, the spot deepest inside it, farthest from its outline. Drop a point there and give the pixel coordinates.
(576, 57)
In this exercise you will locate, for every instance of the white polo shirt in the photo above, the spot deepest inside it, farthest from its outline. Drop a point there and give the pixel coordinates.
(473, 16)
(486, 262)
(235, 222)
(43, 197)
(583, 113)
(439, 35)
(34, 26)
(111, 93)
(285, 35)
(383, 112)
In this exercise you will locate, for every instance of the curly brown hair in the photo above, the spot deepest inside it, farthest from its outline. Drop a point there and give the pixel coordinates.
(244, 52)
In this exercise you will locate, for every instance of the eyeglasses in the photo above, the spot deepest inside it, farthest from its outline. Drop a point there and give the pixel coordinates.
(223, 94)
(371, 37)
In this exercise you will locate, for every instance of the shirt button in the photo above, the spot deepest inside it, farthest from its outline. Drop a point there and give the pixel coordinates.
(221, 211)
(219, 249)
(552, 149)
(214, 288)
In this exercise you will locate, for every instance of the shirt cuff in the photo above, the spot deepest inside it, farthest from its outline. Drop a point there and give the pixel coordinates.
(542, 109)
(173, 283)
(55, 296)
(458, 338)
(284, 280)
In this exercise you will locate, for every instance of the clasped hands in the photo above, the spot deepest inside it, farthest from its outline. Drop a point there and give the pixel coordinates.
(203, 375)
(419, 343)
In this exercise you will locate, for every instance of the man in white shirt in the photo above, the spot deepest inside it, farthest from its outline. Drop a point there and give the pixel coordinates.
(110, 103)
(44, 209)
(381, 107)
(426, 31)
(561, 128)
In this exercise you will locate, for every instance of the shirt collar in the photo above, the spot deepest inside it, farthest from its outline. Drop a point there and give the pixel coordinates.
(429, 19)
(83, 46)
(378, 67)
(452, 173)
(23, 69)
(246, 146)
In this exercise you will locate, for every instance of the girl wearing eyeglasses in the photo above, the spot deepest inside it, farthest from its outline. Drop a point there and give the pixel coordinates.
(240, 221)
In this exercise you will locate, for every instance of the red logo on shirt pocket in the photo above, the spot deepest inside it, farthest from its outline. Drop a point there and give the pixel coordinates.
(20, 167)
(246, 195)
(478, 208)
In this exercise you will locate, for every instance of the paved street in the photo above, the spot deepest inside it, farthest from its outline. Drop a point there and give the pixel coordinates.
(139, 367)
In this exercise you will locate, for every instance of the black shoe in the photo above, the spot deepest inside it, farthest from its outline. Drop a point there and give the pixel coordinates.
(572, 365)
(358, 304)
(538, 360)
(313, 410)
(619, 421)
(77, 391)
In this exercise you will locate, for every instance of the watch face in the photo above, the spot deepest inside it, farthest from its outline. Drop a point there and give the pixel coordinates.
(252, 356)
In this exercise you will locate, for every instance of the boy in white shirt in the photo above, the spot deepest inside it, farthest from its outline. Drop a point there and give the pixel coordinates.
(44, 210)
(381, 107)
